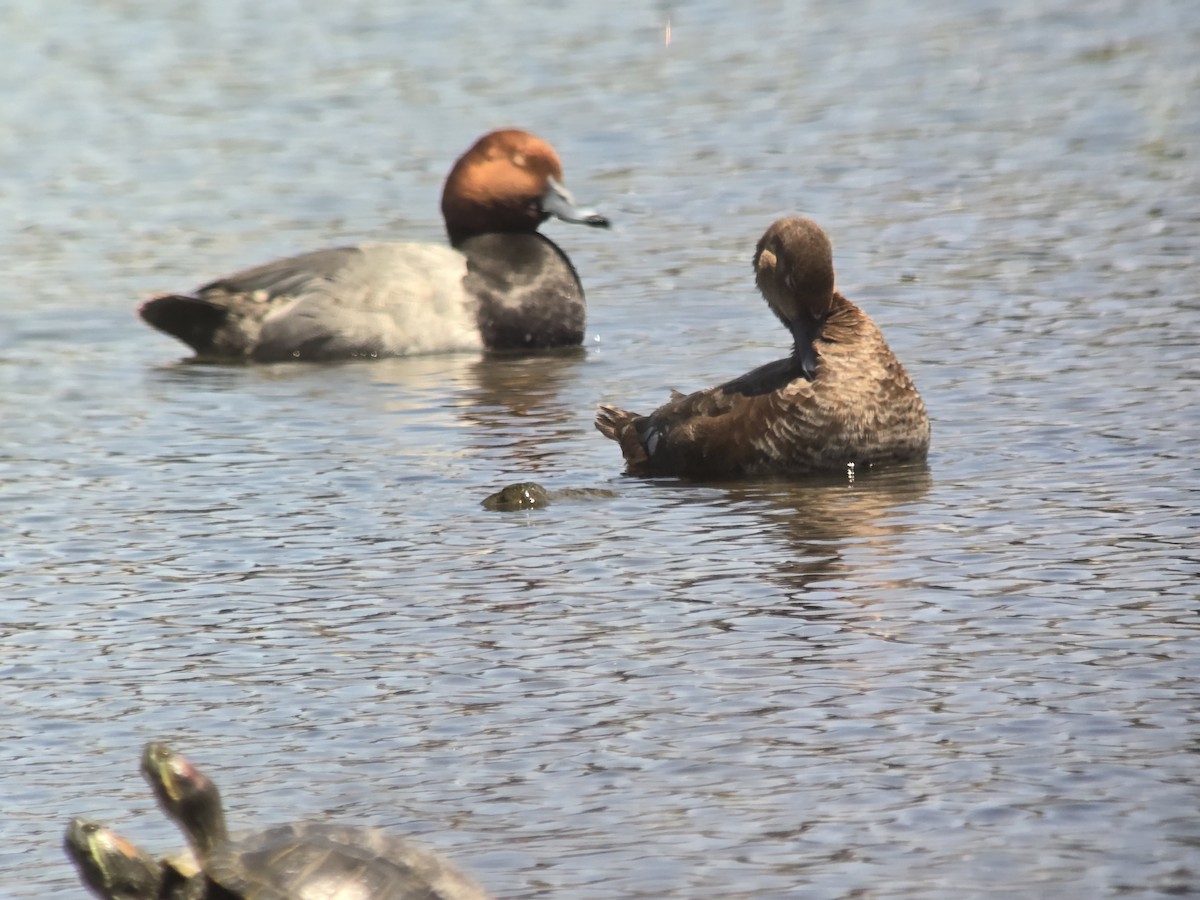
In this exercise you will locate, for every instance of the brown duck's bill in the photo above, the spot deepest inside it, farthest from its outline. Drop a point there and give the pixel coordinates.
(804, 332)
(558, 202)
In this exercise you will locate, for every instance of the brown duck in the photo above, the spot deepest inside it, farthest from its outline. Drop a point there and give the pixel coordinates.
(841, 398)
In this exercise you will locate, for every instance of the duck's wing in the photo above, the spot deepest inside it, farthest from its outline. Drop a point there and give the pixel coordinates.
(286, 277)
(370, 300)
(716, 432)
(224, 317)
(393, 299)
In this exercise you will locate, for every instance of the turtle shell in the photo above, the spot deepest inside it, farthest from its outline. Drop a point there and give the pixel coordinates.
(317, 861)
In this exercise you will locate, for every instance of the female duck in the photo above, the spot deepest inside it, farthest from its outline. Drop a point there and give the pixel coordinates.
(500, 285)
(841, 398)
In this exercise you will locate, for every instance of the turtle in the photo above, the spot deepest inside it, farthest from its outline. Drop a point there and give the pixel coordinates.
(522, 495)
(299, 860)
(531, 495)
(115, 868)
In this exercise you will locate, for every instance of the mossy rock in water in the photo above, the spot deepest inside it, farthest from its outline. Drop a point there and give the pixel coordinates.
(523, 495)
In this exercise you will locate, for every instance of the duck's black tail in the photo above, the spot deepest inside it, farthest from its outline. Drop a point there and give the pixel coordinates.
(192, 320)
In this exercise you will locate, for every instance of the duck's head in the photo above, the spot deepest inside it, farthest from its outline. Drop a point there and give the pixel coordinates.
(793, 267)
(510, 182)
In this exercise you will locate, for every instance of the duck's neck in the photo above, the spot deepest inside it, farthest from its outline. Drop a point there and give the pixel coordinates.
(805, 330)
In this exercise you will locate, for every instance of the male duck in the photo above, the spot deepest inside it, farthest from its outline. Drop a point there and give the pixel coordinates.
(500, 285)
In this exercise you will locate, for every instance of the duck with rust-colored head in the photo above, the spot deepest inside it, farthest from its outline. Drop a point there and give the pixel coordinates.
(841, 398)
(500, 285)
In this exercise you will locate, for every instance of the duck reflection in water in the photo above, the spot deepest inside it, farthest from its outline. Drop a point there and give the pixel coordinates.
(822, 541)
(521, 407)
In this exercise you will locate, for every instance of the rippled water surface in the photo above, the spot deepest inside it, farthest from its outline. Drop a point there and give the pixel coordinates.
(972, 678)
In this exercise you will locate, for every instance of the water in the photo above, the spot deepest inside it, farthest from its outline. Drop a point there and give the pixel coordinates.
(975, 678)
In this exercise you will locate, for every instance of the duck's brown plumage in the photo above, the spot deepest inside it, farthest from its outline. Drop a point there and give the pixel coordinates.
(841, 397)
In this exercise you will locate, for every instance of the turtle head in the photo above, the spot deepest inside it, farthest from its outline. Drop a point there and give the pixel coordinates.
(109, 865)
(186, 795)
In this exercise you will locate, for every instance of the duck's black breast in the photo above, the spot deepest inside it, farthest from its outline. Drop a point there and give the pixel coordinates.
(528, 292)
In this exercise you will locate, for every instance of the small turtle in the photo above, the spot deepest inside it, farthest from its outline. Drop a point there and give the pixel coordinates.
(299, 860)
(531, 495)
(523, 495)
(115, 868)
